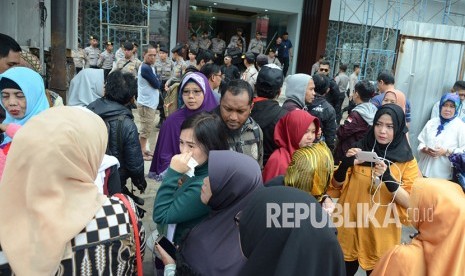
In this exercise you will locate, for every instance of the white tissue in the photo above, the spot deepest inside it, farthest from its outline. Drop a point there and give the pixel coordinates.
(192, 164)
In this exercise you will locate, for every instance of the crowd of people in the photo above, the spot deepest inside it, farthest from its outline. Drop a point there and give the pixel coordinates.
(248, 186)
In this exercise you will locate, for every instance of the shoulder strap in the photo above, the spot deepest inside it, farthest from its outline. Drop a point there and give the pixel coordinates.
(125, 64)
(132, 216)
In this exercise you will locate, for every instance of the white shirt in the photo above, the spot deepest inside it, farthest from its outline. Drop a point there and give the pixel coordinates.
(451, 138)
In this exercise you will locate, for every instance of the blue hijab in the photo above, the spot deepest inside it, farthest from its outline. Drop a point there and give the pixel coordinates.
(32, 86)
(451, 98)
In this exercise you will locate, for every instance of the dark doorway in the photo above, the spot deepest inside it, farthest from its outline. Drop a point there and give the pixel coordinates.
(228, 28)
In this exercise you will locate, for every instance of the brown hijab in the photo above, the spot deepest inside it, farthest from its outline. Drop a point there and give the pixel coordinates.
(47, 194)
(437, 210)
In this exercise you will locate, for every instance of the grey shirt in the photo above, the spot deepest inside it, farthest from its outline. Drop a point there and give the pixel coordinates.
(91, 55)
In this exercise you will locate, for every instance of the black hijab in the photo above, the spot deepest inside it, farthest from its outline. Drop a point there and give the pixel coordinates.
(304, 250)
(399, 149)
(213, 247)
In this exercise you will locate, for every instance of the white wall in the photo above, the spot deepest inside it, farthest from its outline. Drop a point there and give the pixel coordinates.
(20, 20)
(433, 11)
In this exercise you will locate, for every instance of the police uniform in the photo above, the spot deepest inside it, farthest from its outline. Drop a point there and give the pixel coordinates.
(193, 44)
(256, 46)
(91, 55)
(250, 74)
(234, 40)
(218, 46)
(119, 54)
(178, 65)
(163, 69)
(204, 43)
(129, 66)
(79, 58)
(105, 61)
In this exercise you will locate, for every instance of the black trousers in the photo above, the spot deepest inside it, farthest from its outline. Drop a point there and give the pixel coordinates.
(285, 62)
(352, 267)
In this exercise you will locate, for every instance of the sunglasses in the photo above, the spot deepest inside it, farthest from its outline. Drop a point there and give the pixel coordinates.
(324, 70)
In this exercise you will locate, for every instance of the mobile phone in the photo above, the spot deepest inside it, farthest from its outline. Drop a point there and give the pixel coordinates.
(367, 156)
(167, 245)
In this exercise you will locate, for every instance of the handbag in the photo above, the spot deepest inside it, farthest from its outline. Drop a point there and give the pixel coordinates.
(133, 219)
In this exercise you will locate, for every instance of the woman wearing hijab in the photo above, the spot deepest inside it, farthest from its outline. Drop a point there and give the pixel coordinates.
(310, 170)
(379, 188)
(53, 219)
(212, 247)
(441, 137)
(297, 129)
(85, 87)
(300, 90)
(177, 206)
(273, 250)
(394, 97)
(437, 209)
(197, 96)
(23, 97)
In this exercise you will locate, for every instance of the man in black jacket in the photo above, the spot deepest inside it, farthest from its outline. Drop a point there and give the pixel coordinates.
(334, 95)
(266, 110)
(123, 137)
(323, 110)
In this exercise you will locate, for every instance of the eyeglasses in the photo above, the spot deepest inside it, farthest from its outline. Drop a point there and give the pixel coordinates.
(218, 75)
(324, 70)
(196, 93)
(237, 218)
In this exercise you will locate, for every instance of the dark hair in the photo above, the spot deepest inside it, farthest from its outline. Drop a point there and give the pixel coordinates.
(210, 69)
(237, 87)
(459, 85)
(205, 55)
(322, 56)
(120, 87)
(343, 67)
(356, 66)
(128, 46)
(209, 131)
(8, 44)
(321, 83)
(365, 90)
(191, 69)
(146, 48)
(386, 77)
(325, 62)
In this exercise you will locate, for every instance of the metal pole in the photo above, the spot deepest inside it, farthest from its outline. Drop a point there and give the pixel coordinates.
(58, 76)
(42, 35)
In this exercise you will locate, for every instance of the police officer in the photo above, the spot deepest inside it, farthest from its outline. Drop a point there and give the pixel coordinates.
(106, 59)
(218, 46)
(163, 68)
(256, 44)
(179, 65)
(92, 53)
(128, 64)
(79, 57)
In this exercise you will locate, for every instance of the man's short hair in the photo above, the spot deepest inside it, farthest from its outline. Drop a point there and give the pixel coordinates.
(365, 90)
(459, 85)
(210, 69)
(7, 44)
(343, 67)
(321, 83)
(386, 77)
(146, 48)
(356, 66)
(128, 46)
(120, 87)
(237, 87)
(325, 62)
(205, 55)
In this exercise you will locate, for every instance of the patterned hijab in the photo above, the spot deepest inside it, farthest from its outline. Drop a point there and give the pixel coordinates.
(47, 193)
(311, 169)
(455, 99)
